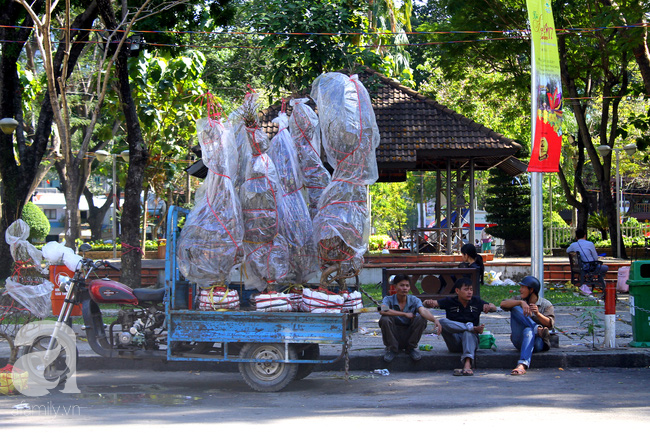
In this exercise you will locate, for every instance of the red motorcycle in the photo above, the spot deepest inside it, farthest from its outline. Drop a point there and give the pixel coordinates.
(137, 331)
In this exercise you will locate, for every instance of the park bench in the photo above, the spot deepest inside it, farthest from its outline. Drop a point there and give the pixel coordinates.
(585, 272)
(436, 283)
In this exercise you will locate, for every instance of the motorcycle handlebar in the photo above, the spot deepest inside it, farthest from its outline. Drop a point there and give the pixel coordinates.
(110, 265)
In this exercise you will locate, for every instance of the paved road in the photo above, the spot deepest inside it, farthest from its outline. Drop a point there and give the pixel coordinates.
(542, 400)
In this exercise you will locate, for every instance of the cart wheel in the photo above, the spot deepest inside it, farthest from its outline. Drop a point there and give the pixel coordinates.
(267, 376)
(311, 351)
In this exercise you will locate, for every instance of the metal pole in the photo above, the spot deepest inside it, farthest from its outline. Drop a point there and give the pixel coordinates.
(472, 201)
(550, 211)
(114, 208)
(537, 229)
(422, 218)
(618, 206)
(536, 195)
(449, 207)
(610, 317)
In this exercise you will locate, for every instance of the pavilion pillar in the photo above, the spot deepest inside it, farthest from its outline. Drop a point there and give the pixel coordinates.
(472, 203)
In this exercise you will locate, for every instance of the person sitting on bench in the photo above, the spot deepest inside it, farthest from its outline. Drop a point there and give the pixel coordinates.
(588, 253)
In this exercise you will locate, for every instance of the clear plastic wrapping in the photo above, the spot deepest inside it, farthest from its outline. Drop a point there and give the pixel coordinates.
(342, 227)
(305, 131)
(296, 222)
(265, 247)
(16, 236)
(349, 129)
(350, 137)
(210, 243)
(27, 285)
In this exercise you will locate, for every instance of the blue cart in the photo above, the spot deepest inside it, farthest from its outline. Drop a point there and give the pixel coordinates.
(272, 348)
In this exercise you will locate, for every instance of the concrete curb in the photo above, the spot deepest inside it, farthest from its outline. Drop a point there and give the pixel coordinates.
(503, 359)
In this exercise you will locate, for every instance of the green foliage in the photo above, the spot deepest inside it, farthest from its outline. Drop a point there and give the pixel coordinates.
(590, 321)
(390, 205)
(299, 59)
(599, 221)
(378, 242)
(555, 220)
(39, 226)
(631, 222)
(103, 246)
(508, 206)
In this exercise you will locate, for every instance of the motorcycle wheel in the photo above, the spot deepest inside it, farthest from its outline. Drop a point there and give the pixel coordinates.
(55, 372)
(267, 376)
(311, 351)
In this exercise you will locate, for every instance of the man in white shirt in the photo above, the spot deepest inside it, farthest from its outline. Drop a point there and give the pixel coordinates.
(587, 251)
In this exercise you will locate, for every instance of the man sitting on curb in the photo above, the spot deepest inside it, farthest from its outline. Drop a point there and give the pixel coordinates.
(461, 327)
(403, 320)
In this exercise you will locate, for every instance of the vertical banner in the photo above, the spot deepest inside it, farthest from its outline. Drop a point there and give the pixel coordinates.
(547, 89)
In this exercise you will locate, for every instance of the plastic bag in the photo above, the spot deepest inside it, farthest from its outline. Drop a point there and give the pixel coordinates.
(350, 137)
(348, 125)
(305, 131)
(53, 252)
(342, 226)
(71, 260)
(36, 298)
(296, 224)
(9, 377)
(352, 301)
(218, 298)
(623, 276)
(265, 247)
(16, 236)
(210, 243)
(278, 302)
(321, 302)
(493, 278)
(486, 340)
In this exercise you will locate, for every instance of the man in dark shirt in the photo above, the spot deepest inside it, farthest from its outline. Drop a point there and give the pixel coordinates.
(403, 320)
(461, 327)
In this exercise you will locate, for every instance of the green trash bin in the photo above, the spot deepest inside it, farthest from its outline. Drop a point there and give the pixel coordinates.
(640, 302)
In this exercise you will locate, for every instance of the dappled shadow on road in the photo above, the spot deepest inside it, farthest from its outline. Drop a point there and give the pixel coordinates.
(202, 397)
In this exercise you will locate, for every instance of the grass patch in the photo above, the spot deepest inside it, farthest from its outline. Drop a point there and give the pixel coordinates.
(496, 294)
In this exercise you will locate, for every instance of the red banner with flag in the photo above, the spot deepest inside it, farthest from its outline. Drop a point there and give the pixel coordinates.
(547, 96)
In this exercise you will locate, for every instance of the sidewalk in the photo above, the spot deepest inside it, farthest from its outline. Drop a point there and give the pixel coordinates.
(575, 348)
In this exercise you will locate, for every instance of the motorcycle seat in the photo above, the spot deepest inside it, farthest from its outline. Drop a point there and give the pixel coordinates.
(149, 295)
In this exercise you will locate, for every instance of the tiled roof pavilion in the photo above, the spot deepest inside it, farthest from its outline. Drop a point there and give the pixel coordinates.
(417, 133)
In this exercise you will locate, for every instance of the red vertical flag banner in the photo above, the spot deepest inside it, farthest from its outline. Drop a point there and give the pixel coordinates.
(547, 93)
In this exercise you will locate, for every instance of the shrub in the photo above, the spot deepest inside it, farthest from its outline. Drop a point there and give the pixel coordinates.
(39, 226)
(378, 242)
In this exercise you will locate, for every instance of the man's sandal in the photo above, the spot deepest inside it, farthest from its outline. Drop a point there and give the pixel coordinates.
(519, 370)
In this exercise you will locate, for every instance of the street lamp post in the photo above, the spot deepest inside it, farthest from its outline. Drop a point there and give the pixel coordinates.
(605, 150)
(8, 125)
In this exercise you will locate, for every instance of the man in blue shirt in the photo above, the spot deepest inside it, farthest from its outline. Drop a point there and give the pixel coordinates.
(403, 320)
(587, 251)
(461, 327)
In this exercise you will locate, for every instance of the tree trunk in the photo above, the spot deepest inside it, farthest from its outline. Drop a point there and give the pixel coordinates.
(138, 156)
(96, 214)
(16, 178)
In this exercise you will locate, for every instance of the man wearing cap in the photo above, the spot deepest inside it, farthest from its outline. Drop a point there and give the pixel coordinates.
(531, 319)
